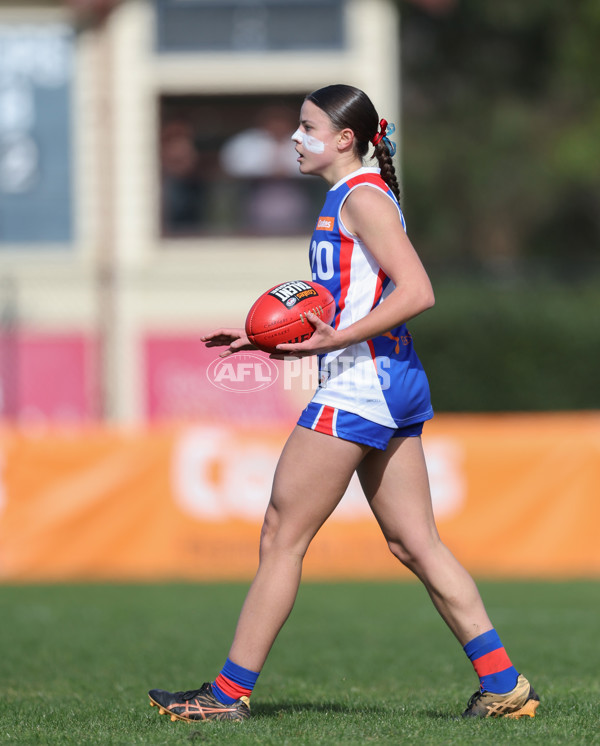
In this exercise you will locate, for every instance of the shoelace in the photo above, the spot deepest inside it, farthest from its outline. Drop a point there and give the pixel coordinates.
(474, 698)
(191, 694)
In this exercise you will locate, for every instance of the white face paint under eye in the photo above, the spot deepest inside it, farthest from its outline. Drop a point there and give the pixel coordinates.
(312, 144)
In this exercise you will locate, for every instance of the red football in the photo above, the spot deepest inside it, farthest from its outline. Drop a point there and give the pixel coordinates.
(278, 316)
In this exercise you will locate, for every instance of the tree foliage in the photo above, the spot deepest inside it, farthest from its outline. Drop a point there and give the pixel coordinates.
(501, 146)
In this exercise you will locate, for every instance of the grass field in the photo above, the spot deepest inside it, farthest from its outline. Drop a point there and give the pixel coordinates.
(356, 664)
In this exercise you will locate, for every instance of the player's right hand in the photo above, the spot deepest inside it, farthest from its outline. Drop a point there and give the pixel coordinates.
(234, 339)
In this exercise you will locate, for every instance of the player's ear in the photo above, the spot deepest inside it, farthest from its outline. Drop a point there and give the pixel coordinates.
(345, 139)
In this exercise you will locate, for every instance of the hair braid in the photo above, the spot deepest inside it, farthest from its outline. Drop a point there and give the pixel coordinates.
(386, 164)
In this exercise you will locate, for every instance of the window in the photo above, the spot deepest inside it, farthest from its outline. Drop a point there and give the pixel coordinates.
(249, 25)
(228, 167)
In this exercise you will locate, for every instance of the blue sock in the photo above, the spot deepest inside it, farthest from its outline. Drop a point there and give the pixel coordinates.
(233, 682)
(491, 663)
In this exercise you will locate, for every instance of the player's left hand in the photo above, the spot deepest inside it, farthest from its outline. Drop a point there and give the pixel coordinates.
(324, 339)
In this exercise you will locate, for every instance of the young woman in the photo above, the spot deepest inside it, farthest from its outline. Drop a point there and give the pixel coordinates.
(366, 417)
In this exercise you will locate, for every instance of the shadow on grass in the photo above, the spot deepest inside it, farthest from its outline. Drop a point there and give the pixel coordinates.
(446, 717)
(278, 709)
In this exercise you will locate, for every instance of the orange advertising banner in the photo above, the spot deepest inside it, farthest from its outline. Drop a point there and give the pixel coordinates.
(514, 496)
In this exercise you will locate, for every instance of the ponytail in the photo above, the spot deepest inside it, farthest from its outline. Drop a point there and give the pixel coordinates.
(384, 152)
(386, 164)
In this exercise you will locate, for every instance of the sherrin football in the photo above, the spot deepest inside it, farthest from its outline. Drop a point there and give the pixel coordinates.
(279, 315)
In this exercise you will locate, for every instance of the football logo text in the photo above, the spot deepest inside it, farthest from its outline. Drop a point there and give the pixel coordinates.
(292, 292)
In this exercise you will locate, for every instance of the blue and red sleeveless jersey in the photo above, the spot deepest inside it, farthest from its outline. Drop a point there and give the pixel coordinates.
(380, 379)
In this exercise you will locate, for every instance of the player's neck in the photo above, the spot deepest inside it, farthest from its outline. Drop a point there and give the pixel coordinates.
(340, 169)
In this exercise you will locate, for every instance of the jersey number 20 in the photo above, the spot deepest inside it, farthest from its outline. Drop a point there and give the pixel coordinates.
(321, 260)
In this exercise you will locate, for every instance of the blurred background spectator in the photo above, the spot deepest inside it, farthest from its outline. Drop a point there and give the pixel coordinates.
(276, 203)
(221, 177)
(265, 149)
(182, 187)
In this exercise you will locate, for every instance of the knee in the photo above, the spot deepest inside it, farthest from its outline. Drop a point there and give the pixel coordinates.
(415, 555)
(281, 536)
(268, 532)
(402, 553)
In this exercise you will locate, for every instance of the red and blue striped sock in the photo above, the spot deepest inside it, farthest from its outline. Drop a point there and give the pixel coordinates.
(491, 663)
(233, 682)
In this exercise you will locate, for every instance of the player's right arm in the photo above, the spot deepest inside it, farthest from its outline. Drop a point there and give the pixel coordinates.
(234, 339)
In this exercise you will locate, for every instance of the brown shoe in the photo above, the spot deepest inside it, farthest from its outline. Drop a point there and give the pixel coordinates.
(520, 702)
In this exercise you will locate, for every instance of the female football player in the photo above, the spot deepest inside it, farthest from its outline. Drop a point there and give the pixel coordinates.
(366, 417)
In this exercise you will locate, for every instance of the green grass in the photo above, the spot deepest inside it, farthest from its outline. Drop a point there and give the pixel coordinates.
(356, 664)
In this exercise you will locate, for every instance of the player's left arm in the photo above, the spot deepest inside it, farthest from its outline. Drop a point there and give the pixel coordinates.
(372, 217)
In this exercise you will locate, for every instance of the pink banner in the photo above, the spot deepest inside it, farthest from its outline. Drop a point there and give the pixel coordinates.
(186, 380)
(47, 378)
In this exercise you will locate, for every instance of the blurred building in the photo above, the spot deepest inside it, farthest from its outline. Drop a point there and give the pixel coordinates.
(125, 230)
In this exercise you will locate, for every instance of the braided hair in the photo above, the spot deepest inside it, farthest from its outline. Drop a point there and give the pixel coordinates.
(349, 107)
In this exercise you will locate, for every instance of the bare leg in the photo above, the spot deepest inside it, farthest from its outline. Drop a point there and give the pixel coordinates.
(396, 484)
(310, 480)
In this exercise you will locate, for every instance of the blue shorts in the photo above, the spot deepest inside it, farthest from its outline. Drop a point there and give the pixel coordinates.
(350, 426)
